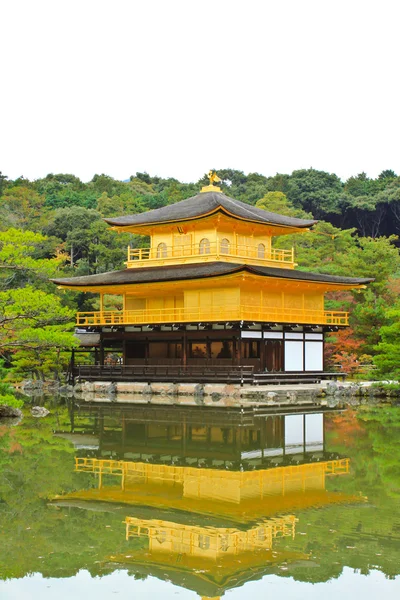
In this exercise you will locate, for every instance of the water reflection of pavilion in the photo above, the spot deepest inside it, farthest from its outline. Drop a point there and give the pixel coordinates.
(209, 495)
(250, 437)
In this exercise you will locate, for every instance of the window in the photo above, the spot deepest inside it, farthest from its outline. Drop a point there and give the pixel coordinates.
(197, 350)
(225, 246)
(221, 349)
(165, 350)
(162, 250)
(251, 349)
(174, 350)
(204, 542)
(158, 350)
(161, 536)
(204, 246)
(135, 349)
(261, 251)
(182, 245)
(224, 543)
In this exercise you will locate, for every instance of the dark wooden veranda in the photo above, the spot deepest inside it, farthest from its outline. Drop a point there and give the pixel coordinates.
(193, 374)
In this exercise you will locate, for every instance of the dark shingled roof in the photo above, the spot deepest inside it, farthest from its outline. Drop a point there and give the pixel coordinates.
(205, 203)
(199, 271)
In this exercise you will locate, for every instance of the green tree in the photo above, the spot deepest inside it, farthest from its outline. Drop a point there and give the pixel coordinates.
(277, 202)
(28, 258)
(3, 183)
(33, 332)
(316, 192)
(21, 207)
(105, 183)
(387, 351)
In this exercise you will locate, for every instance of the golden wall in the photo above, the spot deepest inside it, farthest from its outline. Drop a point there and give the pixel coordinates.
(262, 296)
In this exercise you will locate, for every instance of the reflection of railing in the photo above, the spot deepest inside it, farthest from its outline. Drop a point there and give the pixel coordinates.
(218, 249)
(337, 467)
(213, 313)
(177, 474)
(196, 538)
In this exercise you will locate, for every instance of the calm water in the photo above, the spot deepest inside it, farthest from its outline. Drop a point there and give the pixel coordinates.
(160, 502)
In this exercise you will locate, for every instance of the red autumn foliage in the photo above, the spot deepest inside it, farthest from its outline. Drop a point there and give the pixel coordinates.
(345, 427)
(342, 350)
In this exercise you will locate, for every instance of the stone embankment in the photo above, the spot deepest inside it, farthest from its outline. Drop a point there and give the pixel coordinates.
(326, 393)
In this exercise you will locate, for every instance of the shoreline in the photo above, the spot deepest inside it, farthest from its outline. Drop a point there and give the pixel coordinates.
(327, 393)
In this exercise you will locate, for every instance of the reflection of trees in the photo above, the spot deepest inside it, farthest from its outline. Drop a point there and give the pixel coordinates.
(35, 466)
(58, 541)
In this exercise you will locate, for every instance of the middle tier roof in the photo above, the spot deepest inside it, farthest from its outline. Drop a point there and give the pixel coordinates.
(201, 271)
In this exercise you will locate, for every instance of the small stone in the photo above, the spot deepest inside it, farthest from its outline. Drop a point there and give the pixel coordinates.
(9, 412)
(88, 386)
(331, 388)
(39, 411)
(291, 396)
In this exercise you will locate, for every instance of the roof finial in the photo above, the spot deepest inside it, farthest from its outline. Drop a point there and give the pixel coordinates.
(213, 177)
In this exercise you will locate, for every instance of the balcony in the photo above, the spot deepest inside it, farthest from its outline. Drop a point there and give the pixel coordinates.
(257, 254)
(212, 314)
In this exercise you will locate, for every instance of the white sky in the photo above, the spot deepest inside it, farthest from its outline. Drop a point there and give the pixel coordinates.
(176, 87)
(118, 584)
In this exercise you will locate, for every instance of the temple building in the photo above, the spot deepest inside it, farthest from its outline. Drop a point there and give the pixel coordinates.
(211, 289)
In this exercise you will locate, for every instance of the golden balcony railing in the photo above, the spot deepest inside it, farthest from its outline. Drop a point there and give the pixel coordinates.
(217, 250)
(213, 314)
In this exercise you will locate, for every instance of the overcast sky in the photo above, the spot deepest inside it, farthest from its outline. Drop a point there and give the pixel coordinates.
(175, 87)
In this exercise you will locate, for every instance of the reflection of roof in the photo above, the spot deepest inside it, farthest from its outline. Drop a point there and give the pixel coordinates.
(204, 204)
(211, 580)
(200, 270)
(245, 511)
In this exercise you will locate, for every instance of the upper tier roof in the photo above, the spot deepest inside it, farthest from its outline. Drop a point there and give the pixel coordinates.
(200, 271)
(204, 204)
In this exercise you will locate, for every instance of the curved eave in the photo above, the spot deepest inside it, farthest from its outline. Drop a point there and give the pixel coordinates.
(143, 227)
(203, 205)
(171, 274)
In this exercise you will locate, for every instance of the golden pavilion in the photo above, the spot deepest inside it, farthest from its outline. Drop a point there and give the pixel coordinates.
(211, 290)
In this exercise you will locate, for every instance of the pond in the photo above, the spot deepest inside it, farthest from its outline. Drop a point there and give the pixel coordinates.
(150, 501)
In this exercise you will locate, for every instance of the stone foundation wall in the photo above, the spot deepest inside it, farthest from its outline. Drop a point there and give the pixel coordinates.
(325, 394)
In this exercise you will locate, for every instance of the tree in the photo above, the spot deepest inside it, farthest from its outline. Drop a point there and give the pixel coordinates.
(3, 182)
(71, 226)
(32, 331)
(28, 258)
(109, 207)
(21, 207)
(370, 257)
(105, 183)
(316, 192)
(277, 202)
(33, 315)
(387, 351)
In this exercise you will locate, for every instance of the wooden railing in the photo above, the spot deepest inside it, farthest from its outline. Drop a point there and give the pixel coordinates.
(213, 314)
(167, 373)
(213, 250)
